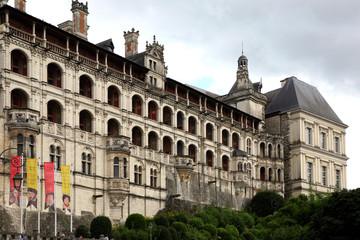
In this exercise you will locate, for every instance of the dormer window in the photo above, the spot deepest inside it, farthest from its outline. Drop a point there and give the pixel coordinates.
(152, 64)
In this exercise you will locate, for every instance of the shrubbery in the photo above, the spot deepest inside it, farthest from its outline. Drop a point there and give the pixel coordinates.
(100, 225)
(82, 231)
(135, 221)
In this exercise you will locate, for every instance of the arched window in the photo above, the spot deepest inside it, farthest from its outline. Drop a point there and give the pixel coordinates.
(225, 163)
(270, 174)
(209, 131)
(153, 177)
(85, 121)
(180, 148)
(209, 158)
(137, 174)
(167, 116)
(262, 174)
(270, 150)
(137, 136)
(18, 62)
(152, 114)
(86, 163)
(262, 149)
(54, 75)
(240, 167)
(278, 151)
(125, 168)
(248, 146)
(116, 167)
(225, 137)
(20, 144)
(18, 99)
(279, 175)
(192, 152)
(235, 141)
(113, 128)
(137, 105)
(180, 120)
(54, 112)
(31, 153)
(113, 96)
(55, 156)
(85, 86)
(152, 139)
(192, 125)
(167, 145)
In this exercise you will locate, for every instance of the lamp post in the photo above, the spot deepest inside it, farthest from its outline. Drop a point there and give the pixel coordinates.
(150, 226)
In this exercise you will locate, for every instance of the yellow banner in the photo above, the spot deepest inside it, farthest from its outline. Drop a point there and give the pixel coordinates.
(32, 181)
(65, 174)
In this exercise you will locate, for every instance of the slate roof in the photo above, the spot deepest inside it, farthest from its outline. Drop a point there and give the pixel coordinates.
(239, 153)
(138, 58)
(107, 45)
(296, 94)
(234, 87)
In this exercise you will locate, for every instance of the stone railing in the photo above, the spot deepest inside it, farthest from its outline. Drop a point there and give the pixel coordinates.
(23, 118)
(118, 184)
(118, 144)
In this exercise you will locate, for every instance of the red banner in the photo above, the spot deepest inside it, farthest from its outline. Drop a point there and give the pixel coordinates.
(14, 194)
(49, 185)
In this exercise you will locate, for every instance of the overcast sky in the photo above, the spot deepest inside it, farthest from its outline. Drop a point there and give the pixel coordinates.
(318, 41)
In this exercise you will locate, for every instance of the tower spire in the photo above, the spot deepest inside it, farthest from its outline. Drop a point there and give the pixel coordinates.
(242, 48)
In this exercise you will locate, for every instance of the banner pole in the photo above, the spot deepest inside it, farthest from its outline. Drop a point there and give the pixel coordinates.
(55, 206)
(21, 193)
(72, 197)
(39, 203)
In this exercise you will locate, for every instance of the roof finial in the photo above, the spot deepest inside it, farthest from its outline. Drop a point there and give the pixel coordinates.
(242, 48)
(154, 38)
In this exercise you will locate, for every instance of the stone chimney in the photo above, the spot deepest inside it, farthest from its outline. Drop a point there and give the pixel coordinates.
(80, 13)
(131, 42)
(3, 2)
(20, 4)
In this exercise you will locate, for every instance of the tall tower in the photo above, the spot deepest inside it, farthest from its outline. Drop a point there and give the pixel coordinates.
(242, 74)
(131, 42)
(20, 4)
(80, 13)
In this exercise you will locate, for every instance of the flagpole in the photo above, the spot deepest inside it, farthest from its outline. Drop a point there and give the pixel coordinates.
(38, 189)
(55, 204)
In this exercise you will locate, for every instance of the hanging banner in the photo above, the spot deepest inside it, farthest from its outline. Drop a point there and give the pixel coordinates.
(49, 185)
(65, 175)
(14, 196)
(32, 182)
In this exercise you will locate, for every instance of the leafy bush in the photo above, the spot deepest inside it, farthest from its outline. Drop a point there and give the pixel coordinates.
(238, 222)
(100, 225)
(224, 234)
(122, 233)
(138, 235)
(196, 222)
(181, 217)
(135, 221)
(248, 236)
(211, 229)
(180, 228)
(194, 234)
(266, 203)
(233, 231)
(82, 230)
(204, 216)
(173, 233)
(163, 233)
(247, 219)
(162, 220)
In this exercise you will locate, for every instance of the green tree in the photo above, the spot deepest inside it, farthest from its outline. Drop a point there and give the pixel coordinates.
(82, 230)
(266, 203)
(100, 225)
(135, 221)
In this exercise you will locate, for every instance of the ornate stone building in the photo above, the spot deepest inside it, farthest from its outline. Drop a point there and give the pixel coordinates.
(135, 138)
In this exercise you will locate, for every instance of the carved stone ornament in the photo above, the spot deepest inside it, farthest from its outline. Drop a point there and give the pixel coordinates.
(117, 199)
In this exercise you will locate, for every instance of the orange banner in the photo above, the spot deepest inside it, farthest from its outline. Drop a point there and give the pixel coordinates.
(14, 194)
(49, 185)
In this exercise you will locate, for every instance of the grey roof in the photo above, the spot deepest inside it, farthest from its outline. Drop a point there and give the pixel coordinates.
(211, 94)
(234, 87)
(296, 94)
(138, 58)
(107, 45)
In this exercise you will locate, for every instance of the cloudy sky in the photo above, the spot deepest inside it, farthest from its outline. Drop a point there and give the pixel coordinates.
(318, 41)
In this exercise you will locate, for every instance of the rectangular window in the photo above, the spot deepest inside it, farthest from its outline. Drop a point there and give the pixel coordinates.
(324, 176)
(336, 144)
(151, 80)
(154, 64)
(308, 135)
(150, 63)
(154, 83)
(323, 140)
(337, 178)
(309, 172)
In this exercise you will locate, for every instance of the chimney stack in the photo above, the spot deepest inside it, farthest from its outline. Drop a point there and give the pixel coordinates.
(3, 2)
(80, 13)
(20, 4)
(131, 42)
